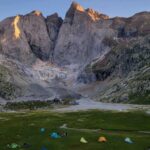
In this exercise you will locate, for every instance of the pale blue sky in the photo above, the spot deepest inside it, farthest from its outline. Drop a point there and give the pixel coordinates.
(112, 8)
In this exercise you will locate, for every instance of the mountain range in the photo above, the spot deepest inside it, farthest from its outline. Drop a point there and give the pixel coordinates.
(86, 54)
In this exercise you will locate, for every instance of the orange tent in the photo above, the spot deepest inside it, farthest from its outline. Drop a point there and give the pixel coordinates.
(102, 139)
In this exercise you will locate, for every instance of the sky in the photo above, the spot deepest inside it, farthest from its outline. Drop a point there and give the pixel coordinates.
(112, 8)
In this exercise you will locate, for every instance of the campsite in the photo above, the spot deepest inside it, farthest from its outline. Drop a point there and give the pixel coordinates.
(33, 130)
(74, 74)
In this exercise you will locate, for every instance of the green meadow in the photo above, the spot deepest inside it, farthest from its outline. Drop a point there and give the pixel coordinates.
(25, 127)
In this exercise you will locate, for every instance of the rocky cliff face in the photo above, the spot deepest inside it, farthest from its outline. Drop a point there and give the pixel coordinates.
(80, 36)
(126, 70)
(86, 47)
(28, 37)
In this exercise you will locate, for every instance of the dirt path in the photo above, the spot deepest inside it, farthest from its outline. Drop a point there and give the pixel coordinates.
(108, 131)
(88, 104)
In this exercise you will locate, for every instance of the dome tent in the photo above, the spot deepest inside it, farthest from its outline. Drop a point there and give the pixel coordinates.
(83, 140)
(55, 135)
(102, 139)
(42, 130)
(128, 140)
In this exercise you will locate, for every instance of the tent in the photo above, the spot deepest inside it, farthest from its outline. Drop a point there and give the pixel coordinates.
(42, 130)
(54, 135)
(83, 140)
(13, 146)
(102, 139)
(128, 140)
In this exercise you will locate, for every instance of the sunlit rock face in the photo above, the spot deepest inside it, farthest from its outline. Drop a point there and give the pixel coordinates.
(71, 12)
(37, 13)
(17, 32)
(95, 16)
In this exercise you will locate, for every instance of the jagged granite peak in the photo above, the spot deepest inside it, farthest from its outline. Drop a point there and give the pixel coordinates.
(80, 36)
(75, 7)
(37, 12)
(96, 15)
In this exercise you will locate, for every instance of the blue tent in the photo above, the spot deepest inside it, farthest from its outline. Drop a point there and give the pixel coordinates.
(42, 130)
(54, 135)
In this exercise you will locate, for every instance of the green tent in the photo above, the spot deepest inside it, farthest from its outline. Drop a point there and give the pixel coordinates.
(13, 146)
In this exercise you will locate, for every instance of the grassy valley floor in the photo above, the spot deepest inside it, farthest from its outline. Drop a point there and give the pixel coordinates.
(115, 126)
